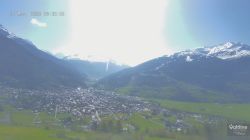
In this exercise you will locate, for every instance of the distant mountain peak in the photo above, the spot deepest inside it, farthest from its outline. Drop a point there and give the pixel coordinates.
(193, 75)
(228, 50)
(220, 48)
(88, 58)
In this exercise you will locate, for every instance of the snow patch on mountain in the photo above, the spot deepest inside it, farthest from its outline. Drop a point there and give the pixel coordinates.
(159, 67)
(189, 59)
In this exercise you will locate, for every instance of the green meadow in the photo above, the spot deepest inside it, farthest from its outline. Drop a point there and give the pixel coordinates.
(19, 125)
(240, 112)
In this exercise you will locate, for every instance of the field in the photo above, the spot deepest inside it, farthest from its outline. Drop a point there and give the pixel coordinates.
(19, 125)
(240, 112)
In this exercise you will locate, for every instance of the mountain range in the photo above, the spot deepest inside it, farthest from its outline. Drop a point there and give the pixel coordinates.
(217, 73)
(95, 70)
(23, 65)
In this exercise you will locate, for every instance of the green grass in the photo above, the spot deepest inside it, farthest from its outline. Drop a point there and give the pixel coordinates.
(32, 133)
(151, 128)
(175, 91)
(145, 124)
(26, 133)
(231, 111)
(22, 117)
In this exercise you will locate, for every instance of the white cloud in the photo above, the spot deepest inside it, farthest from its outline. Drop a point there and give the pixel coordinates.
(38, 23)
(128, 31)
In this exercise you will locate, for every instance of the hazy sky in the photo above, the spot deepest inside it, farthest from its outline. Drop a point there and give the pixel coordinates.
(128, 31)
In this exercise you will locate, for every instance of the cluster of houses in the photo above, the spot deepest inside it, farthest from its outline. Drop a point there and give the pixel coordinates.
(94, 103)
(78, 102)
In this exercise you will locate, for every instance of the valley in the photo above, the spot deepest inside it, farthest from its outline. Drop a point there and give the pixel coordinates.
(79, 114)
(189, 95)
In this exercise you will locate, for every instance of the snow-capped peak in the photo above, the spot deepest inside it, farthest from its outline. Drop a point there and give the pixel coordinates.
(228, 50)
(220, 48)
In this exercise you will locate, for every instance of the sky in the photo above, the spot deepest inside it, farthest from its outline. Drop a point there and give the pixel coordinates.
(126, 31)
